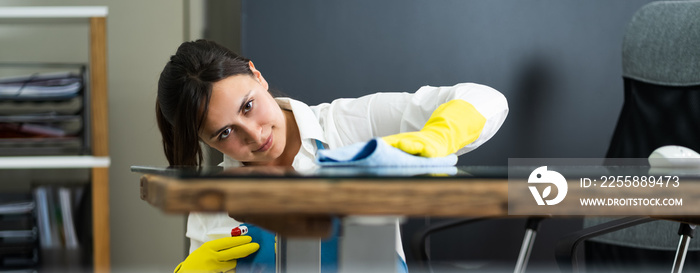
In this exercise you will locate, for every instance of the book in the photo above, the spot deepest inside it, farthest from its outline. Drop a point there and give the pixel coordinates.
(47, 220)
(65, 201)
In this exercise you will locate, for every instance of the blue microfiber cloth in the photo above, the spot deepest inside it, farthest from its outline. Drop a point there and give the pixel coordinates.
(377, 153)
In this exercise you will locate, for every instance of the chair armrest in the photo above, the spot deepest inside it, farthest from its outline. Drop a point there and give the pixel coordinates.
(566, 248)
(418, 240)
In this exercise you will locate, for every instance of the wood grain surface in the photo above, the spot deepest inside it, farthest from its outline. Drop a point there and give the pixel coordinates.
(411, 197)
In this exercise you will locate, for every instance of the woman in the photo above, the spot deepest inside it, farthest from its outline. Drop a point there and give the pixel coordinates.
(208, 93)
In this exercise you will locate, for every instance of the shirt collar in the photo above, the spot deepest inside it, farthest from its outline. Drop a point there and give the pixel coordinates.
(309, 128)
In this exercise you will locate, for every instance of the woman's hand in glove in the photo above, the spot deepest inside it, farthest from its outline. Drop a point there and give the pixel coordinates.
(218, 255)
(451, 126)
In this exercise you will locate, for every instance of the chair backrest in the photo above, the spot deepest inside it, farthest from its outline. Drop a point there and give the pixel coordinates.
(661, 73)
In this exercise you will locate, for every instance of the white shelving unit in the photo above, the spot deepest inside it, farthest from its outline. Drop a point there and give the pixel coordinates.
(99, 161)
(54, 12)
(53, 162)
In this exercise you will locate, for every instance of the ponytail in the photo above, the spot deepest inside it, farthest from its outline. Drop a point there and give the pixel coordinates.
(188, 154)
(184, 91)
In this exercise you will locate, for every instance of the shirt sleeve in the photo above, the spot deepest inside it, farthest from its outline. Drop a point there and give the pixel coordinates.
(203, 227)
(382, 114)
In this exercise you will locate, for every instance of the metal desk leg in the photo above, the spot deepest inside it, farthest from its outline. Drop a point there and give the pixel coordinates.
(368, 244)
(299, 255)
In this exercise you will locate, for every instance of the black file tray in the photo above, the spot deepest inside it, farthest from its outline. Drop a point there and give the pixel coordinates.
(36, 124)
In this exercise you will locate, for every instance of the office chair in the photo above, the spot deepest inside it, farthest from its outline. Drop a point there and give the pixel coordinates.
(661, 76)
(419, 248)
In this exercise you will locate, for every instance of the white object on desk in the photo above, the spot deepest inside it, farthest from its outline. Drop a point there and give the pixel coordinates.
(673, 156)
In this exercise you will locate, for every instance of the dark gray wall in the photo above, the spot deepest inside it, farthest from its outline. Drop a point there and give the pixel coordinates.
(557, 61)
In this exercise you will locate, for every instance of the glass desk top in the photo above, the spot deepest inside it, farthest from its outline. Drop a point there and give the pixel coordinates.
(446, 172)
(326, 172)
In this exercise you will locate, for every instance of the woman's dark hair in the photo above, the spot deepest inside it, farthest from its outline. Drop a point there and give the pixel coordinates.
(184, 92)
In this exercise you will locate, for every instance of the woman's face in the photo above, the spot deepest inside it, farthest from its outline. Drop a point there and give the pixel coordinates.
(244, 121)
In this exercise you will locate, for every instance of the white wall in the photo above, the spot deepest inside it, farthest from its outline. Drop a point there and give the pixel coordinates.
(141, 37)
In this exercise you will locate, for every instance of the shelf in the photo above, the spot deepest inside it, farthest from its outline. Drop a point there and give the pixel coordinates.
(96, 110)
(54, 12)
(53, 162)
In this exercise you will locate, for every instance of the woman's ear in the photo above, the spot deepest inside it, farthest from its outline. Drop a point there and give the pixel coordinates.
(257, 75)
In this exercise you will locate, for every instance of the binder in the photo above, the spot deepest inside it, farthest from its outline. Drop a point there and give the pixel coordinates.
(59, 246)
(47, 221)
(66, 203)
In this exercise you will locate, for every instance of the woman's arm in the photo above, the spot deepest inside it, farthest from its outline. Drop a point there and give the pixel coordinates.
(383, 114)
(466, 116)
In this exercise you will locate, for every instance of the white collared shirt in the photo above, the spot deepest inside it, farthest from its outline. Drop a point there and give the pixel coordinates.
(346, 121)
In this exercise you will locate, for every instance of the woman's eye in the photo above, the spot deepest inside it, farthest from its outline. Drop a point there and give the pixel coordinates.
(225, 134)
(248, 106)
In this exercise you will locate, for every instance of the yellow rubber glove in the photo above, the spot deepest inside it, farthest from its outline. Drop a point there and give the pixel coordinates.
(451, 126)
(218, 255)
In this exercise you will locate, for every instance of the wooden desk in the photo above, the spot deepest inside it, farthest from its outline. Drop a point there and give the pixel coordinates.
(370, 206)
(352, 196)
(439, 196)
(459, 196)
